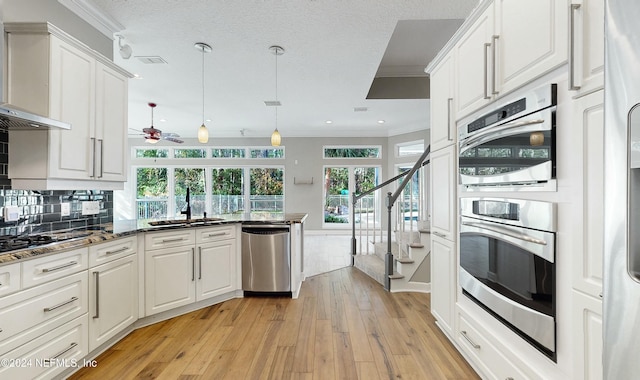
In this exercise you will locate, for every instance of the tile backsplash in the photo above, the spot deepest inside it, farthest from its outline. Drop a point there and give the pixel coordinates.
(40, 211)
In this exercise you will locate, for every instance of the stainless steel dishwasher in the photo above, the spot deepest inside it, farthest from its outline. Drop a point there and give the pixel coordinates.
(266, 259)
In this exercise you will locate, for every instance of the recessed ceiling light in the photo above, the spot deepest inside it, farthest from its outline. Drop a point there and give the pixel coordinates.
(163, 120)
(328, 121)
(380, 121)
(137, 76)
(208, 120)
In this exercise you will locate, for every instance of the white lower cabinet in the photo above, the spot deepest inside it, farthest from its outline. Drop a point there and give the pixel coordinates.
(9, 279)
(113, 290)
(476, 343)
(50, 354)
(587, 336)
(216, 269)
(30, 313)
(186, 266)
(169, 278)
(443, 282)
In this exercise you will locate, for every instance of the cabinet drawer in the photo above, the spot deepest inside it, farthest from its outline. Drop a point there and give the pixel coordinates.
(9, 279)
(206, 235)
(484, 354)
(106, 252)
(49, 354)
(44, 269)
(32, 312)
(174, 238)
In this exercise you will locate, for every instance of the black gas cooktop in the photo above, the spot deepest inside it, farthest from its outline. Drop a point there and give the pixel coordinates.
(16, 242)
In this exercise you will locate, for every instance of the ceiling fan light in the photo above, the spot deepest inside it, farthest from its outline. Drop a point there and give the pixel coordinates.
(152, 139)
(203, 134)
(276, 138)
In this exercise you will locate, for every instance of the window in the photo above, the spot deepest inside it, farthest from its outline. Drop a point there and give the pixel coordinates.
(227, 191)
(189, 153)
(410, 148)
(228, 153)
(267, 190)
(152, 193)
(352, 152)
(339, 184)
(266, 153)
(194, 180)
(152, 153)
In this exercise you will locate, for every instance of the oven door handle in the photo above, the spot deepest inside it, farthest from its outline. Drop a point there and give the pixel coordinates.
(505, 231)
(484, 136)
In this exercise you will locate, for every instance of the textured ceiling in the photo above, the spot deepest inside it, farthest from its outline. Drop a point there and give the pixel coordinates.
(334, 48)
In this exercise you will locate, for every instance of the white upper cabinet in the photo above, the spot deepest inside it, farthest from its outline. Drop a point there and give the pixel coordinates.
(443, 129)
(586, 46)
(531, 40)
(474, 64)
(52, 74)
(509, 43)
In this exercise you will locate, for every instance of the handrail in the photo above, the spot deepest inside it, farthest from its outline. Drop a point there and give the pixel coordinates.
(357, 197)
(410, 173)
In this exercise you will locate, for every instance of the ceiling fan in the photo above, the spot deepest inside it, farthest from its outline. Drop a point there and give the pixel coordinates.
(152, 135)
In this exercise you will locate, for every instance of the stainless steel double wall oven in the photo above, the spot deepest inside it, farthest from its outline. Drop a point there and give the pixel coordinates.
(507, 245)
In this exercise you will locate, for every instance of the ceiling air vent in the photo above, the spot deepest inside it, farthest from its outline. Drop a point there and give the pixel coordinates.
(272, 103)
(151, 59)
(360, 109)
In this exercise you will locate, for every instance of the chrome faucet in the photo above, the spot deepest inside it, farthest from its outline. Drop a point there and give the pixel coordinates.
(187, 212)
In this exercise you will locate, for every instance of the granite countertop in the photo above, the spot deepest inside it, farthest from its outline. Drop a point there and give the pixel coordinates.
(78, 238)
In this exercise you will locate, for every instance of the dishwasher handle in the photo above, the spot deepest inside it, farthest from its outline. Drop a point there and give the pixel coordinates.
(265, 231)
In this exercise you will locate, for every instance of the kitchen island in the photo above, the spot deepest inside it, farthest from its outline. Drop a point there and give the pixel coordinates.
(98, 284)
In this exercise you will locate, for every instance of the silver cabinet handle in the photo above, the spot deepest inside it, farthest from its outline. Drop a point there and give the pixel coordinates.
(487, 46)
(217, 234)
(440, 234)
(572, 48)
(199, 263)
(193, 264)
(116, 251)
(48, 309)
(93, 154)
(96, 278)
(53, 269)
(494, 43)
(65, 351)
(101, 158)
(171, 240)
(449, 102)
(473, 344)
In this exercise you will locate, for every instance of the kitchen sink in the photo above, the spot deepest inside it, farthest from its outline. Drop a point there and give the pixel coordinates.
(177, 222)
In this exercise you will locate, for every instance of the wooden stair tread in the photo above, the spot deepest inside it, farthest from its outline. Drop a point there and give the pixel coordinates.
(405, 260)
(396, 276)
(416, 245)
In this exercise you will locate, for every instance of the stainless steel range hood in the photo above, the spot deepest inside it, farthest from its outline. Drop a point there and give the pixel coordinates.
(13, 118)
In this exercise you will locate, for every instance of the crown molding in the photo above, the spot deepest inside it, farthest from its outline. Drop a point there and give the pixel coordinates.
(94, 16)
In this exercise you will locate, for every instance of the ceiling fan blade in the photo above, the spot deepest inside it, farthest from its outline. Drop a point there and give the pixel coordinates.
(171, 134)
(172, 139)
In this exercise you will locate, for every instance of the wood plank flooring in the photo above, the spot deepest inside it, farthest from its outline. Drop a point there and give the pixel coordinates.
(343, 326)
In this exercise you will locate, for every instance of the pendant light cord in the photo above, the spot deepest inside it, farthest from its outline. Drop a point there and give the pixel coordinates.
(203, 85)
(276, 53)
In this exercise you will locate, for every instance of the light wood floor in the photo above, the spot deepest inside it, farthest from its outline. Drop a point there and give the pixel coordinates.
(343, 326)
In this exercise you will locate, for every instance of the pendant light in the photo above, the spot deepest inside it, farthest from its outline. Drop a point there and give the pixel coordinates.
(276, 138)
(203, 133)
